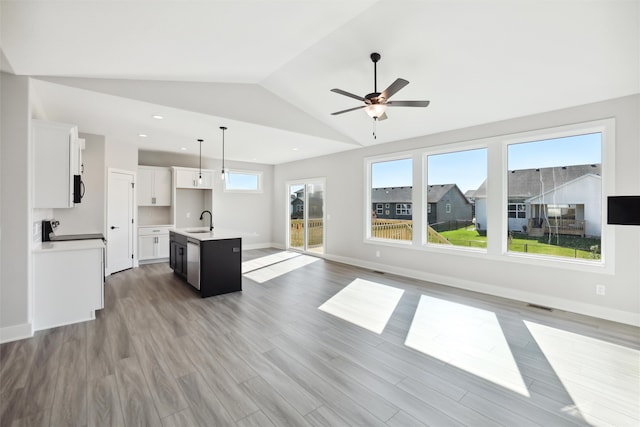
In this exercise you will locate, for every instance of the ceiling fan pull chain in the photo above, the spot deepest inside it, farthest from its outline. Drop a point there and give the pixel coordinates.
(374, 128)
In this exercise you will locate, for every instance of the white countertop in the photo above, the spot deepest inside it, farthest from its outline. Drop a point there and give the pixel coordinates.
(69, 245)
(207, 235)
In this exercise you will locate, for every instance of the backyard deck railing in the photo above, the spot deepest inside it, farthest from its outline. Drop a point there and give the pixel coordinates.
(572, 227)
(391, 229)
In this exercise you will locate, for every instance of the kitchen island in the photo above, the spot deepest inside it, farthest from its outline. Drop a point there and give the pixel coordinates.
(210, 261)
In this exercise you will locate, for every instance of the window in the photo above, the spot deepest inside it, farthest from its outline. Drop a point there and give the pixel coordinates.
(390, 184)
(516, 210)
(403, 209)
(243, 181)
(554, 205)
(451, 215)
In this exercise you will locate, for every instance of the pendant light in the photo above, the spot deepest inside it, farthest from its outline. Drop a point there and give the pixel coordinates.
(224, 171)
(200, 168)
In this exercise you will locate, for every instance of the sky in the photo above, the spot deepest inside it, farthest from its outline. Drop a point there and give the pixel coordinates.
(468, 169)
(241, 181)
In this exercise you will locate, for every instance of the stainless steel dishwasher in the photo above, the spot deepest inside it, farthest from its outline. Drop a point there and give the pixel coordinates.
(193, 263)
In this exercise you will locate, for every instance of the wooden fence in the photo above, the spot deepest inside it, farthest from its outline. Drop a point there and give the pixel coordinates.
(392, 229)
(296, 232)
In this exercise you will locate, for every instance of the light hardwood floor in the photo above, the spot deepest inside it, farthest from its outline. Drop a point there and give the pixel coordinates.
(158, 355)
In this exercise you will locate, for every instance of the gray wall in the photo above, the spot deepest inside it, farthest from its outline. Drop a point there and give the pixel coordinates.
(15, 207)
(561, 285)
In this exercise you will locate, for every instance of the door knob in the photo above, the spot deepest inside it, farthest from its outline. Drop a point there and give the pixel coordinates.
(113, 227)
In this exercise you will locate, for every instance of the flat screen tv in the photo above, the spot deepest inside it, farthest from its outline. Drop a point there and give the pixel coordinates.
(623, 210)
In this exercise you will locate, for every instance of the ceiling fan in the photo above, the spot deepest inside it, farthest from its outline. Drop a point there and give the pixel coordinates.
(376, 103)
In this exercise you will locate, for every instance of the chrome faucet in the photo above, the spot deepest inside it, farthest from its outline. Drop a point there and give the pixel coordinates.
(210, 219)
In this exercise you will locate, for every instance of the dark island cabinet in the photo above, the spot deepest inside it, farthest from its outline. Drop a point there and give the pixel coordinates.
(220, 266)
(178, 254)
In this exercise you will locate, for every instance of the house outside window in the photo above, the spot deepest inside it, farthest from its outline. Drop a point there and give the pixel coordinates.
(554, 206)
(390, 197)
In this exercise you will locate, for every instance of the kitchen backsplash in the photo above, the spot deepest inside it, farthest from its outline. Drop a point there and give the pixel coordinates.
(154, 215)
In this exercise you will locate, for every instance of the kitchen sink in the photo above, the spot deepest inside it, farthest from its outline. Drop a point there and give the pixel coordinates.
(198, 231)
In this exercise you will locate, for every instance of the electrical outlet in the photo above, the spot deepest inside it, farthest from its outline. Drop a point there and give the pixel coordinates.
(377, 254)
(601, 289)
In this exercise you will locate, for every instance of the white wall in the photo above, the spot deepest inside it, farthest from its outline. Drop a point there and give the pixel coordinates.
(248, 214)
(560, 284)
(15, 208)
(121, 155)
(89, 215)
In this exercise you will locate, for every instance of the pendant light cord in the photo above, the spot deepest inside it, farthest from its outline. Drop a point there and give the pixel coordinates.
(200, 166)
(223, 170)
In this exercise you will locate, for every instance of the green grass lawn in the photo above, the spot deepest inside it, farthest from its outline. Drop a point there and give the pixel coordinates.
(564, 246)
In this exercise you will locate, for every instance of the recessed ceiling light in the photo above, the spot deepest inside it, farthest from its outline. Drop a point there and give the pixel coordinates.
(143, 135)
(183, 148)
(157, 116)
(295, 149)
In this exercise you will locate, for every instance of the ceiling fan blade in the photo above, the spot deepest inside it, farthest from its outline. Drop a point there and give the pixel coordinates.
(408, 103)
(395, 87)
(382, 117)
(347, 110)
(350, 95)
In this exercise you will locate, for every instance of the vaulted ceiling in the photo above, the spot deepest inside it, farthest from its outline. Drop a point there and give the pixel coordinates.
(264, 68)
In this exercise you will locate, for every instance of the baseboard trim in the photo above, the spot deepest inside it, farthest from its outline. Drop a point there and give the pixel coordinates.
(16, 332)
(590, 310)
(250, 246)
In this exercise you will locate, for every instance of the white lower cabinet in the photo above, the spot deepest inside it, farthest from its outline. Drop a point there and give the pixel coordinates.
(153, 242)
(68, 283)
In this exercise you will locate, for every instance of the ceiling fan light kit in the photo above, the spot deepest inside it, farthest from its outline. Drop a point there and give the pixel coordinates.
(376, 103)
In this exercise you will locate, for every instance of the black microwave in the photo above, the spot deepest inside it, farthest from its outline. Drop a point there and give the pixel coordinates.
(78, 188)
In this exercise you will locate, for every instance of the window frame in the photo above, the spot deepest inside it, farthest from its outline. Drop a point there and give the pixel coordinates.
(403, 209)
(258, 174)
(478, 144)
(368, 163)
(497, 221)
(606, 127)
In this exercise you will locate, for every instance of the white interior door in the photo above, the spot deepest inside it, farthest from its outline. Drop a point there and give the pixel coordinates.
(120, 207)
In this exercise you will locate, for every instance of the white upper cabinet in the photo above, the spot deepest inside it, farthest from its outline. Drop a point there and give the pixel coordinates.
(190, 178)
(154, 186)
(57, 157)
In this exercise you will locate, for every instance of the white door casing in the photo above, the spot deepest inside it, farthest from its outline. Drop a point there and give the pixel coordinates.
(120, 215)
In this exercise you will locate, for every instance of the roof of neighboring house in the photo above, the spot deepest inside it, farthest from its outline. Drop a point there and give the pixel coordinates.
(526, 183)
(391, 195)
(437, 192)
(538, 198)
(470, 194)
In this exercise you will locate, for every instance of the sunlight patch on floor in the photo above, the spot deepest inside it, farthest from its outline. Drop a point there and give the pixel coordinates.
(364, 303)
(272, 271)
(466, 337)
(264, 261)
(603, 379)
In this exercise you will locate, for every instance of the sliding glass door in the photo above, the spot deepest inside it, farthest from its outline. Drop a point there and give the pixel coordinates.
(306, 215)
